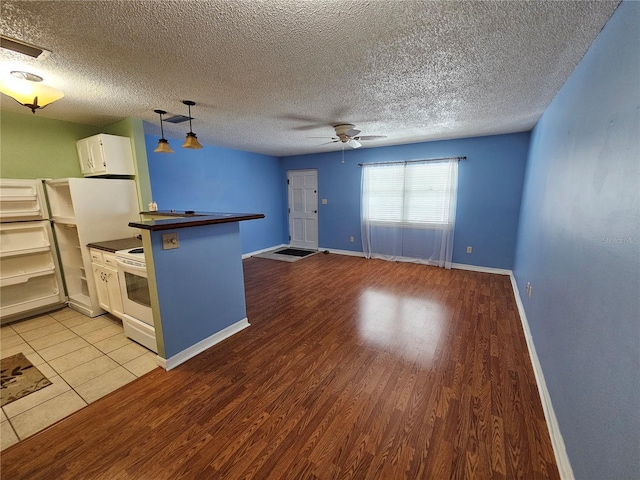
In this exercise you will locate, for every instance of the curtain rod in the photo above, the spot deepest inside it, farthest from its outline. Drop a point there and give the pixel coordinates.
(413, 161)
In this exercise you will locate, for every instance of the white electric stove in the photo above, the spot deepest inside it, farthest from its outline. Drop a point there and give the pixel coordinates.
(136, 302)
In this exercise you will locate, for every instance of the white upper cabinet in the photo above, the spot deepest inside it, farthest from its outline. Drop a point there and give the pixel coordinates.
(105, 154)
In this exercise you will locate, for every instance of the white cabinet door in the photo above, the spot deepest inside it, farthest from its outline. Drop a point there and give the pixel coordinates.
(86, 164)
(96, 153)
(105, 276)
(100, 278)
(113, 287)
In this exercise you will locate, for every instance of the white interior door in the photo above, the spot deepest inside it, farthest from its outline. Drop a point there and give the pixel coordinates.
(303, 208)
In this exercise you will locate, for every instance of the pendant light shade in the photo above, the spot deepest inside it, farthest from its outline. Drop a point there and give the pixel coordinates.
(192, 140)
(163, 143)
(163, 146)
(26, 89)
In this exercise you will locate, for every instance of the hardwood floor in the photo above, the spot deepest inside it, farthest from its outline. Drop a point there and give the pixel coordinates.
(352, 368)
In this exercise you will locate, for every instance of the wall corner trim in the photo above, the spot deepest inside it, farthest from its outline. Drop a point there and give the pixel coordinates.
(559, 449)
(475, 268)
(202, 345)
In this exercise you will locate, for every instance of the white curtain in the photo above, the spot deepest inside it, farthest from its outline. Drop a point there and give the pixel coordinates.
(408, 211)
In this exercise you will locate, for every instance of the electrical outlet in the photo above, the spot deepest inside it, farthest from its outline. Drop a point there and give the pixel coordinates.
(351, 239)
(469, 249)
(170, 241)
(324, 201)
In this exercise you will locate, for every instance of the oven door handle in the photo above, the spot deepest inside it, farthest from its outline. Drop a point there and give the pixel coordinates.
(128, 266)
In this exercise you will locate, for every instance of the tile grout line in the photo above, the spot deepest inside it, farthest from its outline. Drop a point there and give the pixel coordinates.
(51, 367)
(12, 428)
(36, 351)
(71, 388)
(40, 404)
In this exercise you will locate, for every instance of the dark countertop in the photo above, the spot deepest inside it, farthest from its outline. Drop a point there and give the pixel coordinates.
(191, 219)
(115, 245)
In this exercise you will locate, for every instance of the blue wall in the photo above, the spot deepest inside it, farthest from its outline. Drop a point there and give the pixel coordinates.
(200, 288)
(489, 193)
(579, 246)
(218, 179)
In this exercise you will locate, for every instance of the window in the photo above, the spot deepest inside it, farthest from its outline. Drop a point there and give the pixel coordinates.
(410, 194)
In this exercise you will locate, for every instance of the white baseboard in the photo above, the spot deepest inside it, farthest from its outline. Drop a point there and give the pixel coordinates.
(559, 449)
(251, 254)
(475, 268)
(202, 345)
(350, 253)
(460, 266)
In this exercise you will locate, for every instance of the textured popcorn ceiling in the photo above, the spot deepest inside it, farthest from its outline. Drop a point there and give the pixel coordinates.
(267, 75)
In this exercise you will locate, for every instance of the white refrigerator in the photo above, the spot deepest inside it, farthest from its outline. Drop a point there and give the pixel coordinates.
(30, 276)
(83, 211)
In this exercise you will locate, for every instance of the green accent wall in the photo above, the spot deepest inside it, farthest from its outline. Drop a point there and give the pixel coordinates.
(32, 146)
(37, 147)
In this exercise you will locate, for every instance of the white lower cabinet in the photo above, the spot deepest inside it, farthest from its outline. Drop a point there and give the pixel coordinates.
(105, 276)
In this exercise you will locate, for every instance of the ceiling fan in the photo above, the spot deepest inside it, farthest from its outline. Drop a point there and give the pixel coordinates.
(348, 134)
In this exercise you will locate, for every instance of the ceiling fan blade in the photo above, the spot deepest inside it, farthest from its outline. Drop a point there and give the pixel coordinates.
(370, 137)
(353, 132)
(354, 143)
(330, 141)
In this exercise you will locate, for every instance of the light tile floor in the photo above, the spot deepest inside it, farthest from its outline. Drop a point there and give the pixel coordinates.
(85, 359)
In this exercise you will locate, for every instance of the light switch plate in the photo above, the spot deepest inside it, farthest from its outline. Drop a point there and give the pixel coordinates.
(170, 241)
(324, 201)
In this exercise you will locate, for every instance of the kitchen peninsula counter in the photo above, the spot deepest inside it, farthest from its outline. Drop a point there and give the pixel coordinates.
(170, 220)
(113, 246)
(196, 283)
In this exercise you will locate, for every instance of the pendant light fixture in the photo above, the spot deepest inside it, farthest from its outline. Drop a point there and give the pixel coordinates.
(192, 140)
(26, 89)
(163, 143)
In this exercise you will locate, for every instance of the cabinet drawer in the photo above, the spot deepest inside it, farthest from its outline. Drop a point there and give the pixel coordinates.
(109, 259)
(96, 256)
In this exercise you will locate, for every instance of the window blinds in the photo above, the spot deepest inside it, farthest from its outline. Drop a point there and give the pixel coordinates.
(412, 194)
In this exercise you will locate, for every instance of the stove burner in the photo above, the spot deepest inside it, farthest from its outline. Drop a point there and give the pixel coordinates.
(137, 250)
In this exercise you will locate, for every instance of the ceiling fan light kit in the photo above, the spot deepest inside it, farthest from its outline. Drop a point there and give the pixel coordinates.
(27, 89)
(353, 143)
(346, 133)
